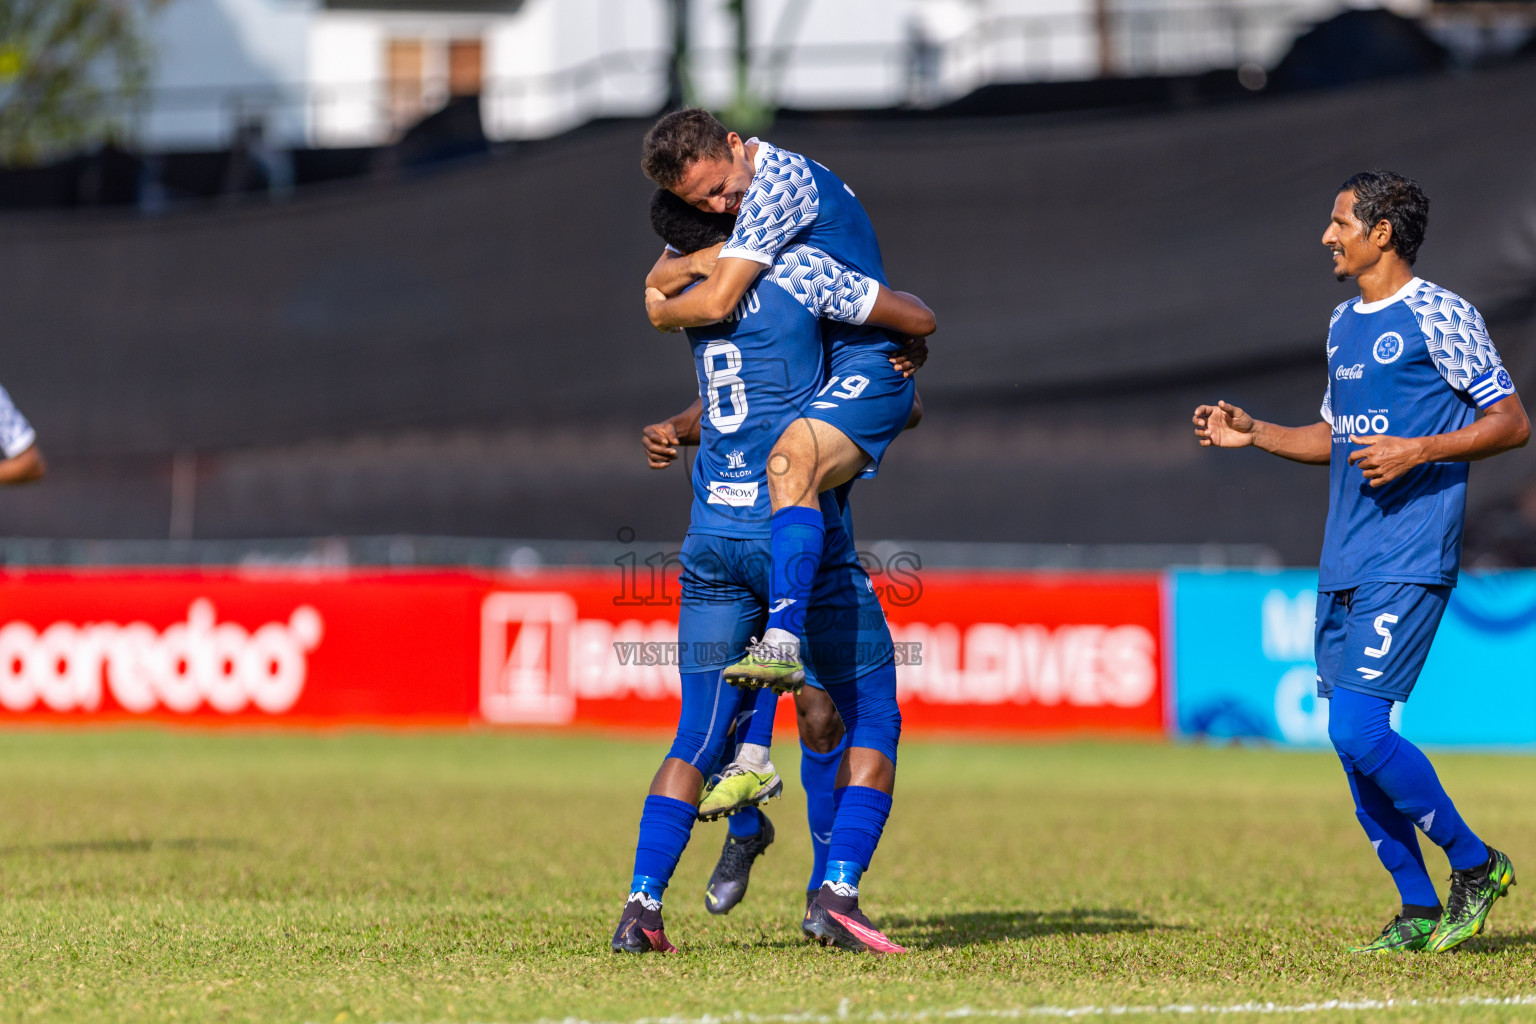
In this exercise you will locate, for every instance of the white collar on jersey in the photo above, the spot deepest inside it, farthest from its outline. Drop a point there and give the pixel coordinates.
(1380, 304)
(760, 154)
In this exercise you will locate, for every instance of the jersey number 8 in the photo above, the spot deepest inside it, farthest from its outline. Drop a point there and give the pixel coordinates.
(725, 376)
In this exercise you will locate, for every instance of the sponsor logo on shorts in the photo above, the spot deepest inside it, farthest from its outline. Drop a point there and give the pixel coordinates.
(736, 495)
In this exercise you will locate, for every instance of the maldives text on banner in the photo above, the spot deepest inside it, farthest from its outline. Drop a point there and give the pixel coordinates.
(990, 651)
(1244, 665)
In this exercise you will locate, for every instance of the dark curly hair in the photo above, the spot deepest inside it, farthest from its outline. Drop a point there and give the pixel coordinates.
(677, 139)
(1385, 196)
(687, 228)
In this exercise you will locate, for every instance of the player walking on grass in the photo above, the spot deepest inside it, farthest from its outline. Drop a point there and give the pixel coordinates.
(1416, 390)
(756, 371)
(779, 197)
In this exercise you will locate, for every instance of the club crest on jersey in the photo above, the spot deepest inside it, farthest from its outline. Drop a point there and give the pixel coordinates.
(1350, 372)
(725, 492)
(1388, 347)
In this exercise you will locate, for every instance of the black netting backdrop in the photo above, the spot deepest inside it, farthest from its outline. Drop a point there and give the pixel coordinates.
(465, 351)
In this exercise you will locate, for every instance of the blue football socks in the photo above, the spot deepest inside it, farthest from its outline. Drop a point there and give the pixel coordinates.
(745, 823)
(818, 773)
(665, 825)
(856, 827)
(798, 536)
(1396, 843)
(1360, 726)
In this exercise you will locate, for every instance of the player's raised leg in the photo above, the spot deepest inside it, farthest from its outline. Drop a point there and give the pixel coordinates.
(809, 457)
(749, 779)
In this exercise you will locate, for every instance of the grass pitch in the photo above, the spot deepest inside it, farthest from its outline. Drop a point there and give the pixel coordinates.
(430, 877)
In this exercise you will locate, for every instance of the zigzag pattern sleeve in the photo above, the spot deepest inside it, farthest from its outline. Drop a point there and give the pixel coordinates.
(781, 201)
(1458, 342)
(1327, 410)
(16, 434)
(824, 286)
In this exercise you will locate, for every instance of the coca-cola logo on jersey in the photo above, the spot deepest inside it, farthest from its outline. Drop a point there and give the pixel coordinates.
(199, 661)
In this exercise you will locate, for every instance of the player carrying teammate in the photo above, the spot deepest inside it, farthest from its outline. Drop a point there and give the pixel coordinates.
(20, 459)
(756, 372)
(1416, 391)
(780, 197)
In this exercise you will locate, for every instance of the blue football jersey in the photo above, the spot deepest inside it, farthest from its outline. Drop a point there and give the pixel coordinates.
(758, 369)
(16, 434)
(1412, 365)
(795, 199)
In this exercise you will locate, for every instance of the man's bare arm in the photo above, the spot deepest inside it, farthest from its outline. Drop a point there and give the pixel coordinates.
(710, 301)
(902, 312)
(675, 271)
(1503, 426)
(23, 468)
(1224, 425)
(661, 440)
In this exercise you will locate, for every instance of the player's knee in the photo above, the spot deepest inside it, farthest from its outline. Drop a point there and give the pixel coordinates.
(821, 727)
(1353, 736)
(878, 727)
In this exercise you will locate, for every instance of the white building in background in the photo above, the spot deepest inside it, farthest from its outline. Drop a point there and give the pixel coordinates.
(357, 72)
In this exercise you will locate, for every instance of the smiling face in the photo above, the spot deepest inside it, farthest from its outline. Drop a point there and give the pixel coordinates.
(717, 184)
(1356, 248)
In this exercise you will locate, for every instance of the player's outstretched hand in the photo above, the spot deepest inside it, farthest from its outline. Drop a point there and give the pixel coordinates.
(1385, 458)
(654, 297)
(1223, 425)
(911, 356)
(660, 443)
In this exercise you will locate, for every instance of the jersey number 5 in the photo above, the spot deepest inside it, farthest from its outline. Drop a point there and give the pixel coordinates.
(722, 372)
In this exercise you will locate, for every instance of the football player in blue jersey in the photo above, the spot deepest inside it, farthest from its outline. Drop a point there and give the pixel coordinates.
(1416, 391)
(756, 371)
(779, 198)
(21, 461)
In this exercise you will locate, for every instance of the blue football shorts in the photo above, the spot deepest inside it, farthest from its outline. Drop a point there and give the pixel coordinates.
(1374, 638)
(866, 398)
(725, 604)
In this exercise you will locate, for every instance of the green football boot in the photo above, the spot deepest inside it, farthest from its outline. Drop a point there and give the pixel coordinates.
(1401, 935)
(736, 788)
(769, 665)
(1473, 893)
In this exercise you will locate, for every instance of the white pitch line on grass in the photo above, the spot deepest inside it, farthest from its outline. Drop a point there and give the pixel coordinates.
(845, 1015)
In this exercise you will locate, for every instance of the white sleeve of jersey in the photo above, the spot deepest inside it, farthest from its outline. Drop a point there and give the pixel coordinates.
(16, 434)
(781, 200)
(824, 286)
(1458, 342)
(1327, 410)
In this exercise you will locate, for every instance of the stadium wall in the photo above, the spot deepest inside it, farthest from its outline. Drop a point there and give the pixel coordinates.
(1185, 654)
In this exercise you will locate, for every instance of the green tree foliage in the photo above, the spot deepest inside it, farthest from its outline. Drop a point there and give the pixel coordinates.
(71, 73)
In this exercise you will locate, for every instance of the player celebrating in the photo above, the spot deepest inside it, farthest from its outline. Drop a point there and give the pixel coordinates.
(756, 372)
(779, 197)
(22, 462)
(1416, 391)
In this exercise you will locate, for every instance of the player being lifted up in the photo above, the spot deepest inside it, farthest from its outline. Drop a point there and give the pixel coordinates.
(780, 197)
(756, 372)
(1415, 392)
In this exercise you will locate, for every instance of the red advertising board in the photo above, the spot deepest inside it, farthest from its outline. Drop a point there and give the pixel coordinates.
(1016, 652)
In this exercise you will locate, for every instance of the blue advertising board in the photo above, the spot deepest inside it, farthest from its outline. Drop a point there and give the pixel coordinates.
(1243, 664)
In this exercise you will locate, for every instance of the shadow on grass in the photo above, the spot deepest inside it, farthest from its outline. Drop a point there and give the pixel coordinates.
(125, 846)
(983, 927)
(1500, 942)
